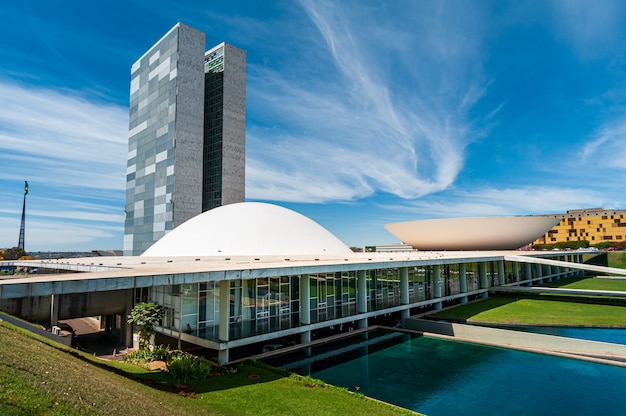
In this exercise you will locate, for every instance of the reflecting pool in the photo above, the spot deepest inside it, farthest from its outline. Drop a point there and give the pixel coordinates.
(439, 377)
(613, 335)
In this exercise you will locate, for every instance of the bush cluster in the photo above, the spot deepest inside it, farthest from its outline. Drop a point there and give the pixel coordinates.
(145, 356)
(181, 365)
(574, 245)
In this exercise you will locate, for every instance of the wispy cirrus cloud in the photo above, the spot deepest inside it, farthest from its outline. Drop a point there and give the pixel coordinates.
(607, 148)
(591, 29)
(489, 201)
(355, 130)
(57, 126)
(72, 151)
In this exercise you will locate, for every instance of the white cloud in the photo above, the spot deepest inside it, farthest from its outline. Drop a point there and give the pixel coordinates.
(591, 28)
(487, 201)
(65, 236)
(72, 150)
(45, 131)
(355, 130)
(61, 137)
(608, 147)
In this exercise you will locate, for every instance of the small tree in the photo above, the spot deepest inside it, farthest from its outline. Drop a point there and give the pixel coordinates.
(14, 253)
(146, 316)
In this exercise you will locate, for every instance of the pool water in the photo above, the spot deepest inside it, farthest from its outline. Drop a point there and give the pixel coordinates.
(613, 335)
(440, 377)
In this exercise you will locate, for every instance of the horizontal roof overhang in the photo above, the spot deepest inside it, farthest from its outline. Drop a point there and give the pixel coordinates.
(138, 272)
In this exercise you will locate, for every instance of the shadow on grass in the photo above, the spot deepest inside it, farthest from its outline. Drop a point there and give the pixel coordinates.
(464, 312)
(250, 373)
(563, 282)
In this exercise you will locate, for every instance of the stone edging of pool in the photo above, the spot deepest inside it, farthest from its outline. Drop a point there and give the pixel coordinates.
(595, 351)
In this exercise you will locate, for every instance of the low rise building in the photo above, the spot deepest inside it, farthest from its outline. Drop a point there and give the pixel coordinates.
(253, 273)
(595, 225)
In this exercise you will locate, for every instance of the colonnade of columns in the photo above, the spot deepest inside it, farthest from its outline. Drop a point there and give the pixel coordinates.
(362, 304)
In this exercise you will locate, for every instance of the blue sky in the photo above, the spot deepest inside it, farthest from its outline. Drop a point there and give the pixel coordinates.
(359, 113)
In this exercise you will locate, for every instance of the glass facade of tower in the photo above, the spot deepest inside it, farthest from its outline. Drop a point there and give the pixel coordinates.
(186, 142)
(213, 124)
(224, 126)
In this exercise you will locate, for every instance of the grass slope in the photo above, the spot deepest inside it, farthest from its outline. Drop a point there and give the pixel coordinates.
(590, 284)
(617, 259)
(538, 312)
(38, 378)
(546, 309)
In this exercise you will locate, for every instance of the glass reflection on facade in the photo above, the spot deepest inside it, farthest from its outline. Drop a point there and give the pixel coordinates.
(268, 304)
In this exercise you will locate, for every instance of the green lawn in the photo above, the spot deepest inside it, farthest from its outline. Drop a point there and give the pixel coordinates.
(506, 310)
(37, 377)
(590, 284)
(617, 259)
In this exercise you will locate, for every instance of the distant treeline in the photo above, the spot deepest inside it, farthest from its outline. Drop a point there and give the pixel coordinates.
(575, 245)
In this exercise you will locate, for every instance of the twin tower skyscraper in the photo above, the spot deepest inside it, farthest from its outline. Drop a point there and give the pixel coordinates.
(187, 133)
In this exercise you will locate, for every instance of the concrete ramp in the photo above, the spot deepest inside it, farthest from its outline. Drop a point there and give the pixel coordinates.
(548, 344)
(566, 264)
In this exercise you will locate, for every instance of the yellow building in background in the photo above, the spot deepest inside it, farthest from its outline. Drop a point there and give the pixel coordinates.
(595, 225)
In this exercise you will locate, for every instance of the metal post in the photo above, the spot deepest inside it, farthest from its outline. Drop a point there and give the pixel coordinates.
(20, 243)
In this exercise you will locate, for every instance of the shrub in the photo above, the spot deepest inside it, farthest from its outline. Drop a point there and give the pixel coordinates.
(201, 368)
(180, 366)
(145, 355)
(160, 353)
(142, 356)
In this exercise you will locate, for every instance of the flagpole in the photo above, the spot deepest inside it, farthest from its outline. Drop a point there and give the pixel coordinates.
(20, 244)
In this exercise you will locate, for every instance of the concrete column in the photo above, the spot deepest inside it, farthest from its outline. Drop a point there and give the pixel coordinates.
(223, 356)
(404, 291)
(224, 311)
(361, 293)
(404, 285)
(126, 331)
(54, 310)
(516, 271)
(437, 285)
(528, 271)
(305, 337)
(436, 281)
(569, 269)
(501, 272)
(305, 300)
(463, 281)
(539, 269)
(361, 297)
(482, 273)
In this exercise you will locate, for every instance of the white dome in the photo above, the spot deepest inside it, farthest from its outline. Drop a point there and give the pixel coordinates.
(248, 228)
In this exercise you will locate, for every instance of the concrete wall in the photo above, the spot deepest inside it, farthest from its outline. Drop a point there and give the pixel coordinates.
(517, 339)
(76, 305)
(65, 339)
